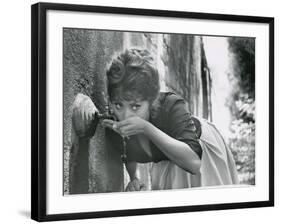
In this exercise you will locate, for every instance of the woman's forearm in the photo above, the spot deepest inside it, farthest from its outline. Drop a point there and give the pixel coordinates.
(178, 152)
(132, 170)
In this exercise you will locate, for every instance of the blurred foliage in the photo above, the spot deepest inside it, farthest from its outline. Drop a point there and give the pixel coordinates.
(241, 103)
(244, 63)
(242, 140)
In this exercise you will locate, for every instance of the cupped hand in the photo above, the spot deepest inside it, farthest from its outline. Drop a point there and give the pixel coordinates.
(83, 113)
(130, 126)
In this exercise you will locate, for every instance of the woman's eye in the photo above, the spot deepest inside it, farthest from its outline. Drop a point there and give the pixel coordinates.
(118, 106)
(135, 107)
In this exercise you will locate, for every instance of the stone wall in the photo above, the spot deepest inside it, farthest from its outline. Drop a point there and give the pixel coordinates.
(183, 69)
(86, 54)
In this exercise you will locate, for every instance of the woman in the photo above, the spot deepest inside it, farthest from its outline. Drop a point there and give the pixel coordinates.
(157, 127)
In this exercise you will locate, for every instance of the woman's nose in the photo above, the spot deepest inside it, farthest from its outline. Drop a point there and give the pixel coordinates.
(128, 113)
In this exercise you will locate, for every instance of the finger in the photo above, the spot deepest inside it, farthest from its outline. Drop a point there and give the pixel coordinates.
(89, 113)
(82, 113)
(94, 111)
(127, 127)
(88, 109)
(108, 123)
(110, 126)
(128, 134)
(92, 115)
(86, 117)
(123, 123)
(129, 130)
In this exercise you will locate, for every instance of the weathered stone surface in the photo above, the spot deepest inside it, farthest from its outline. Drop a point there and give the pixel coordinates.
(86, 54)
(182, 59)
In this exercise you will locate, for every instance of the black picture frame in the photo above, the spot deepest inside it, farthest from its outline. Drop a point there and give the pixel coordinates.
(39, 109)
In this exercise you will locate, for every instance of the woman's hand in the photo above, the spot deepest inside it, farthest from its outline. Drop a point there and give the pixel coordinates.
(130, 126)
(135, 185)
(83, 114)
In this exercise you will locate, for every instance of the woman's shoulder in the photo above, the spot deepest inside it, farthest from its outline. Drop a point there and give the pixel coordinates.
(169, 95)
(169, 99)
(167, 104)
(175, 110)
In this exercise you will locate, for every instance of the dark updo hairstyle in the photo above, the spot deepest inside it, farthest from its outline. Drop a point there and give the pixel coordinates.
(133, 75)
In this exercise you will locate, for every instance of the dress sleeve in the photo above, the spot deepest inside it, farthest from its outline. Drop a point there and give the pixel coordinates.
(181, 125)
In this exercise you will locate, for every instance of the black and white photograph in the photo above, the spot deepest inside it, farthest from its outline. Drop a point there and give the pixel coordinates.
(149, 111)
(140, 112)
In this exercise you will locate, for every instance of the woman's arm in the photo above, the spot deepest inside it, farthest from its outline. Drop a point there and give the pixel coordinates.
(131, 169)
(177, 151)
(134, 184)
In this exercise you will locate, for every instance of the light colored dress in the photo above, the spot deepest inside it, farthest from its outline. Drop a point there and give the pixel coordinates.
(217, 165)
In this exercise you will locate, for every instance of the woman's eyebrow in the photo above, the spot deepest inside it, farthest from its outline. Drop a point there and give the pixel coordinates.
(117, 100)
(136, 102)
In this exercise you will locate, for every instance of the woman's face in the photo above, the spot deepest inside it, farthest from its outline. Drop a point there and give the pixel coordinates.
(124, 109)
